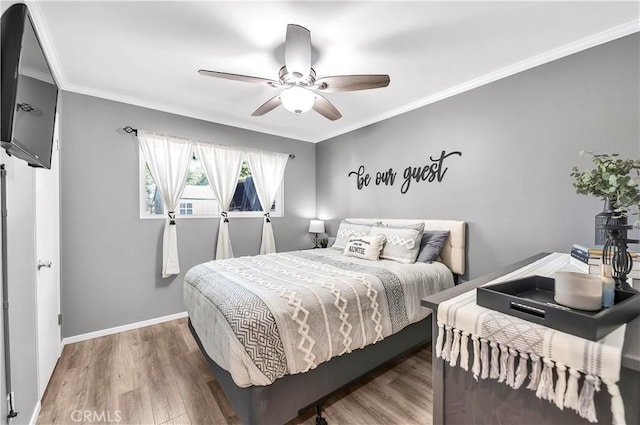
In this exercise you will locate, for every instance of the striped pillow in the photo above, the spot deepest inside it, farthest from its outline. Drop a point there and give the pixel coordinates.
(347, 230)
(402, 242)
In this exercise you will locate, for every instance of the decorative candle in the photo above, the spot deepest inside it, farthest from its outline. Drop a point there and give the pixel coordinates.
(578, 290)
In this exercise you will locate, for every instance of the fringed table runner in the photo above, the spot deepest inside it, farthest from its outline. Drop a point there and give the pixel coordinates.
(517, 352)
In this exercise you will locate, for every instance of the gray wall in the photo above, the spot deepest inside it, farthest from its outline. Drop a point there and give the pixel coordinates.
(519, 138)
(111, 258)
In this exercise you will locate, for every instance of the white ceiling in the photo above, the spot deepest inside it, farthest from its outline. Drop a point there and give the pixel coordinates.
(147, 53)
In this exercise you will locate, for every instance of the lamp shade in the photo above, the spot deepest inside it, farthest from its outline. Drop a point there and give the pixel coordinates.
(316, 226)
(297, 99)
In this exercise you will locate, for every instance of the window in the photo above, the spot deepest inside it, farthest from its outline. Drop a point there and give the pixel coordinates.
(186, 208)
(198, 199)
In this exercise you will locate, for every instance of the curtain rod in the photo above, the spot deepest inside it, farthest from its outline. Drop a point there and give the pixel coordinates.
(129, 129)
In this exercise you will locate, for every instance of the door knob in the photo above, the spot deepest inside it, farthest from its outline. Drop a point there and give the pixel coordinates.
(42, 264)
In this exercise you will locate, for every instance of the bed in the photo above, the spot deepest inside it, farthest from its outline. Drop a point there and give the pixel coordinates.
(282, 332)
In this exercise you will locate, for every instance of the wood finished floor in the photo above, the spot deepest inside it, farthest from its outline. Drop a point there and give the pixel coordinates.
(157, 375)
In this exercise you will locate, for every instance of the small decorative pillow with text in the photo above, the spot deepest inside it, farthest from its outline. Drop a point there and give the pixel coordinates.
(347, 230)
(402, 242)
(367, 247)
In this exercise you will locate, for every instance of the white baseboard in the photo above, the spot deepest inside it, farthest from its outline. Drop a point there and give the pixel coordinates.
(123, 328)
(36, 412)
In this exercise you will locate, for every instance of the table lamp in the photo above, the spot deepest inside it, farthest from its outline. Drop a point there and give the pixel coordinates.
(316, 226)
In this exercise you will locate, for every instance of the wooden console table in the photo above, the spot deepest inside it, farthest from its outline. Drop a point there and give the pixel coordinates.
(459, 399)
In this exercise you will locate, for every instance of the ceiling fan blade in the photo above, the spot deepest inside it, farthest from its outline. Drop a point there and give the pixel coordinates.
(267, 106)
(297, 51)
(352, 82)
(238, 77)
(325, 108)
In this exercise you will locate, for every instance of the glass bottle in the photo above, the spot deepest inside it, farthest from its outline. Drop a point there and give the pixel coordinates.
(608, 285)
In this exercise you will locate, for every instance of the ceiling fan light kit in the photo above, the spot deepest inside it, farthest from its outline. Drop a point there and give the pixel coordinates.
(298, 79)
(297, 99)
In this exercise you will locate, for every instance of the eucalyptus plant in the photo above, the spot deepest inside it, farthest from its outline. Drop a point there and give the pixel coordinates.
(613, 178)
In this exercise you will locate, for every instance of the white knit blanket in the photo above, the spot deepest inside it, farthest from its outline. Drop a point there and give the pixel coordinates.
(511, 350)
(266, 316)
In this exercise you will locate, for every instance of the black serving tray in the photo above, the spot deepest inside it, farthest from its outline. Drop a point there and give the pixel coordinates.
(531, 298)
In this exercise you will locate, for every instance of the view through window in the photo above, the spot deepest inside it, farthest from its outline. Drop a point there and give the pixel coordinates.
(198, 199)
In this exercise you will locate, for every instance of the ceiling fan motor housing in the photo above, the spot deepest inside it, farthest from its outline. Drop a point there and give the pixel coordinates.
(296, 79)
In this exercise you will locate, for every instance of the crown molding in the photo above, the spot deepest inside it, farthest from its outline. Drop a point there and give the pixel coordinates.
(64, 84)
(44, 36)
(546, 57)
(532, 62)
(131, 100)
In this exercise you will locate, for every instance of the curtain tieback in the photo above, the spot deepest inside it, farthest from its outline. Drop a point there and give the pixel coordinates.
(267, 217)
(172, 218)
(225, 215)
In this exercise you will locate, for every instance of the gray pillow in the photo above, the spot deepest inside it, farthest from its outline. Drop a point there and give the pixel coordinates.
(403, 242)
(431, 245)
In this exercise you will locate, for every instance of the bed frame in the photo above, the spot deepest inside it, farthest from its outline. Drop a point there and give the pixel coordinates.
(288, 396)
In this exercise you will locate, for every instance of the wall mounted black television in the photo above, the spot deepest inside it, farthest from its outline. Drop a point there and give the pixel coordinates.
(29, 92)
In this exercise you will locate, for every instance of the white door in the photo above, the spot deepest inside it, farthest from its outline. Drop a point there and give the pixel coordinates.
(48, 274)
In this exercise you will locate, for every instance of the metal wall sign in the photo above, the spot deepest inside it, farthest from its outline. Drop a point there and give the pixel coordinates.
(433, 170)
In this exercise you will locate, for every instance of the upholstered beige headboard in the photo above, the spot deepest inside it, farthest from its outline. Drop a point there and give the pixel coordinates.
(453, 253)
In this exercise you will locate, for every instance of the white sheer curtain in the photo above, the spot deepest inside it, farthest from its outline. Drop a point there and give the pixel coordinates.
(222, 167)
(267, 169)
(168, 160)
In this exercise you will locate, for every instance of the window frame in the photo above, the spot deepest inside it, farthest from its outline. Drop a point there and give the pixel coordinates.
(277, 212)
(186, 206)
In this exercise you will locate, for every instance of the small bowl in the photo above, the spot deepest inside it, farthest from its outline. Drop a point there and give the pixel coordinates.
(578, 290)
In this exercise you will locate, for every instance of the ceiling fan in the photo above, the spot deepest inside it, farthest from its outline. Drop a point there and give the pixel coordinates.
(298, 79)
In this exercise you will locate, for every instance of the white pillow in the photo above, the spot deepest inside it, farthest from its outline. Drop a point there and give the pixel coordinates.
(348, 230)
(367, 247)
(403, 242)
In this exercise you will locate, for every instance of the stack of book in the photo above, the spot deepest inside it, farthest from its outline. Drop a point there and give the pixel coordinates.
(589, 260)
